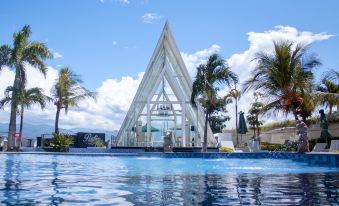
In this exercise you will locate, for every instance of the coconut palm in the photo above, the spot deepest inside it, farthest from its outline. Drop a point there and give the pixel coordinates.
(329, 90)
(68, 92)
(283, 77)
(25, 99)
(22, 52)
(210, 76)
(235, 94)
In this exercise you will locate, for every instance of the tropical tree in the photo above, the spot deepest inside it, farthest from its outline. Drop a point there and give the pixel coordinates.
(210, 76)
(253, 116)
(283, 77)
(22, 53)
(329, 90)
(219, 117)
(235, 94)
(68, 92)
(25, 99)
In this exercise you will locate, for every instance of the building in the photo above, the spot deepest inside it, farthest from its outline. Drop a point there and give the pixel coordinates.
(162, 106)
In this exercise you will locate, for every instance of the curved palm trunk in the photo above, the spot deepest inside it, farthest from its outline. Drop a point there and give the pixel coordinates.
(57, 120)
(21, 124)
(204, 145)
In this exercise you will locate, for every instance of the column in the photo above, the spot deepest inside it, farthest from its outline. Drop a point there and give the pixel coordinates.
(148, 133)
(183, 124)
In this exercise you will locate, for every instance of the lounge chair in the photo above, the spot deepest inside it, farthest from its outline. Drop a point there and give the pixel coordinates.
(319, 147)
(253, 146)
(334, 146)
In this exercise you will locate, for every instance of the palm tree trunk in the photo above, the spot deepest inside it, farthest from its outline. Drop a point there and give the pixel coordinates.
(21, 124)
(236, 119)
(12, 125)
(57, 120)
(204, 145)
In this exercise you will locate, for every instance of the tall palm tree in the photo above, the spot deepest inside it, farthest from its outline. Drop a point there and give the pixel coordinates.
(210, 76)
(22, 53)
(68, 92)
(235, 94)
(283, 77)
(25, 99)
(329, 89)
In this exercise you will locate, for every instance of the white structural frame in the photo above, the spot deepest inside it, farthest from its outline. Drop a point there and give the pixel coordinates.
(165, 63)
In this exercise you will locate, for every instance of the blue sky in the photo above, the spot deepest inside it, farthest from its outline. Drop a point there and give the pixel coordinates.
(84, 31)
(109, 42)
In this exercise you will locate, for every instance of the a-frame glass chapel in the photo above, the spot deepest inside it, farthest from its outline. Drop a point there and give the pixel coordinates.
(161, 106)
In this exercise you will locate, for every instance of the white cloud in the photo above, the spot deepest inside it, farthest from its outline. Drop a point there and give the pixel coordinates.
(113, 100)
(150, 18)
(57, 55)
(199, 57)
(114, 43)
(242, 64)
(115, 95)
(124, 1)
(119, 1)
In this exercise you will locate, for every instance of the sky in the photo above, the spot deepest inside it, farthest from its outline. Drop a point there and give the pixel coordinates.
(109, 43)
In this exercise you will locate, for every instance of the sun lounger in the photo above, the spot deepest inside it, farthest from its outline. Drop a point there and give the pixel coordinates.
(334, 146)
(319, 147)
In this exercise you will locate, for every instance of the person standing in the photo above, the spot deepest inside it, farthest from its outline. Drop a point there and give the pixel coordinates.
(324, 127)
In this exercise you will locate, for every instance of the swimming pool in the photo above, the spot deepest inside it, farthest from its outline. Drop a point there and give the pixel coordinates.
(32, 179)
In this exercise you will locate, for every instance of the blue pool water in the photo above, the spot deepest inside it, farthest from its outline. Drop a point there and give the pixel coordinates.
(109, 180)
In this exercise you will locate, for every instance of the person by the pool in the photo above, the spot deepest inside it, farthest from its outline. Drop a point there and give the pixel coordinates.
(324, 127)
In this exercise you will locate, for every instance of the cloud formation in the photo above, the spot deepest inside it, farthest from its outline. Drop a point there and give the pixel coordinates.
(242, 64)
(57, 55)
(150, 18)
(115, 95)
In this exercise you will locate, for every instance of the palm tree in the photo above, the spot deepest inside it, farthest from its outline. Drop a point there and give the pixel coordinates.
(68, 92)
(329, 88)
(210, 76)
(25, 99)
(283, 77)
(235, 94)
(22, 53)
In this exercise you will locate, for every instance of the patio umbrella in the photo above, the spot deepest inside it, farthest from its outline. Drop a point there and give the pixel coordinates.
(242, 128)
(153, 129)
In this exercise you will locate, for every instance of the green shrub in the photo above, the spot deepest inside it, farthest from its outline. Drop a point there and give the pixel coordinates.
(225, 149)
(291, 146)
(61, 142)
(97, 142)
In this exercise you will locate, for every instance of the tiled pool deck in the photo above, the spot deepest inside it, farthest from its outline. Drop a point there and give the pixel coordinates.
(328, 159)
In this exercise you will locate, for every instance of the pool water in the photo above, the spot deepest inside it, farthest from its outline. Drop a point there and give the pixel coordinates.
(112, 180)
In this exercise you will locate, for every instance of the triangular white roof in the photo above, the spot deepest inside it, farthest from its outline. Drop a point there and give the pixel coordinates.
(166, 62)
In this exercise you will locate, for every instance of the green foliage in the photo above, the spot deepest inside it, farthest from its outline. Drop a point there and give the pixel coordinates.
(283, 77)
(329, 90)
(217, 122)
(67, 92)
(291, 147)
(22, 52)
(225, 149)
(61, 143)
(97, 142)
(253, 115)
(210, 76)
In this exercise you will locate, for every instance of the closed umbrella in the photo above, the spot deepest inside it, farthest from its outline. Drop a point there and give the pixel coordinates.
(242, 128)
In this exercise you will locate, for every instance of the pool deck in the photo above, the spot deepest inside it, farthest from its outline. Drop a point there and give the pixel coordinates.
(312, 158)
